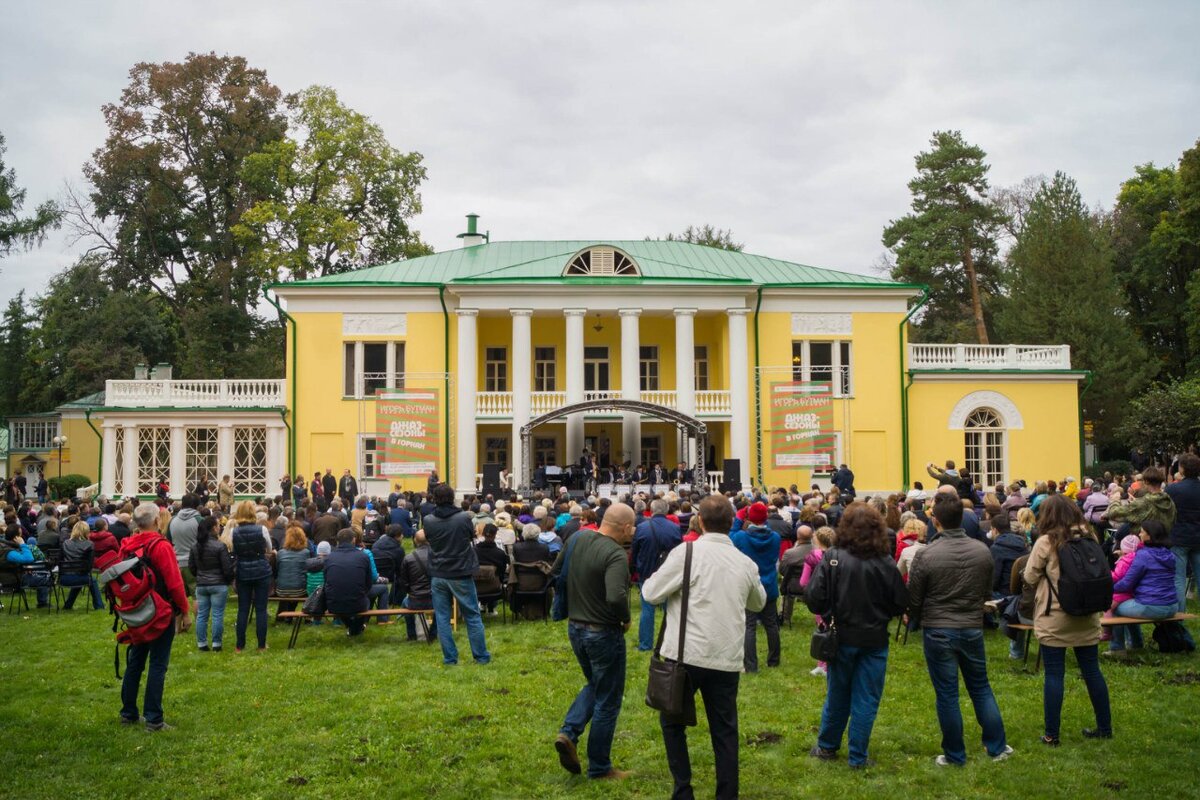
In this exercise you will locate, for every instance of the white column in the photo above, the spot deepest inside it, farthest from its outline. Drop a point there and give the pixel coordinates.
(631, 426)
(177, 472)
(391, 365)
(522, 381)
(464, 407)
(224, 449)
(108, 459)
(274, 458)
(739, 392)
(359, 381)
(685, 373)
(129, 462)
(573, 359)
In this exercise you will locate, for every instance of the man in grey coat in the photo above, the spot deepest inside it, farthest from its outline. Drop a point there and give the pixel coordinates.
(181, 533)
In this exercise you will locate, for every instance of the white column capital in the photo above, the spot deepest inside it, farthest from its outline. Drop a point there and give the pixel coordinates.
(685, 312)
(575, 312)
(467, 312)
(521, 312)
(737, 312)
(629, 312)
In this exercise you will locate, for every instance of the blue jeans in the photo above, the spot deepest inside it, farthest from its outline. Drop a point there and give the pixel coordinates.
(1132, 608)
(1055, 659)
(41, 582)
(1184, 556)
(601, 656)
(1126, 636)
(159, 653)
(210, 602)
(947, 651)
(256, 592)
(444, 592)
(77, 582)
(854, 688)
(646, 625)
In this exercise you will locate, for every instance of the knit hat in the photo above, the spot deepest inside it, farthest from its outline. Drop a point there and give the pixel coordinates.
(757, 515)
(324, 548)
(1130, 544)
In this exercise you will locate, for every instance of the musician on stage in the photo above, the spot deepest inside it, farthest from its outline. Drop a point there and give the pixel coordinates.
(591, 470)
(681, 474)
(658, 475)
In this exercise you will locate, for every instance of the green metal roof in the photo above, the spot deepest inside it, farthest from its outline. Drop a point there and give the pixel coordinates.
(88, 401)
(661, 262)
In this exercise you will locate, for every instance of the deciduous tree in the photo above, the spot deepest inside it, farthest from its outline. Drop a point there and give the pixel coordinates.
(706, 235)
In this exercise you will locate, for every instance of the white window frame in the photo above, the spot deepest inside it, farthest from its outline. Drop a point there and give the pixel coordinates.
(249, 476)
(354, 367)
(644, 451)
(33, 434)
(368, 458)
(495, 371)
(148, 474)
(989, 464)
(700, 367)
(593, 364)
(541, 450)
(489, 450)
(804, 370)
(200, 456)
(543, 368)
(648, 372)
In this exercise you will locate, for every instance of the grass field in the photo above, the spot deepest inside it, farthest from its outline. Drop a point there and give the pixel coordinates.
(380, 717)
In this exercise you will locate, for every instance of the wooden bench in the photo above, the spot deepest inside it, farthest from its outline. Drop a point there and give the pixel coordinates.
(298, 618)
(1105, 621)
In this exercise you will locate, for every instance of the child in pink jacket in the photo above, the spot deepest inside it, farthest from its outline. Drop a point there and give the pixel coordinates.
(1123, 635)
(822, 541)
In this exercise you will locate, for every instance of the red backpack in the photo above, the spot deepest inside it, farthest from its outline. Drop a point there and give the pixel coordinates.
(131, 585)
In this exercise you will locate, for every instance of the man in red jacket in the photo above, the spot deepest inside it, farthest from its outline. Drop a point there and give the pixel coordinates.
(161, 555)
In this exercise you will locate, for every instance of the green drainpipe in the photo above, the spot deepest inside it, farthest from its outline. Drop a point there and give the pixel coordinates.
(448, 474)
(904, 389)
(87, 417)
(1087, 384)
(758, 459)
(295, 362)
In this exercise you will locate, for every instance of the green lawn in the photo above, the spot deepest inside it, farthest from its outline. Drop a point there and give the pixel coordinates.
(380, 717)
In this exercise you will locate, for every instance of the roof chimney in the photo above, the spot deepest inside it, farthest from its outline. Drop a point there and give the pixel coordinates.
(472, 237)
(162, 371)
(141, 372)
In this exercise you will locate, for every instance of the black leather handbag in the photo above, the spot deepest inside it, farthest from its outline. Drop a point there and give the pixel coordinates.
(667, 685)
(824, 645)
(314, 606)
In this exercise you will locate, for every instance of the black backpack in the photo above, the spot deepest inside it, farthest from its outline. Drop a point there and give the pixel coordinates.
(1085, 585)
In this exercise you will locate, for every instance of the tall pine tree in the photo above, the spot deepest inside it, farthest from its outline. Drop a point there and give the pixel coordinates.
(1063, 289)
(949, 240)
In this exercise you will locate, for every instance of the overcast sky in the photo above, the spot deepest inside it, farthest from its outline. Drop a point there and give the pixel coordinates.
(794, 124)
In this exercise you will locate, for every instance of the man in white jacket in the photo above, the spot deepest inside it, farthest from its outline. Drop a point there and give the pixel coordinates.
(724, 585)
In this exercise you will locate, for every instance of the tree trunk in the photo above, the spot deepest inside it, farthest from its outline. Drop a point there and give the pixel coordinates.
(976, 304)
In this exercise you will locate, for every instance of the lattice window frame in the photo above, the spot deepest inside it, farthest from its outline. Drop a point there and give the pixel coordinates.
(250, 460)
(118, 432)
(984, 441)
(154, 457)
(601, 261)
(200, 456)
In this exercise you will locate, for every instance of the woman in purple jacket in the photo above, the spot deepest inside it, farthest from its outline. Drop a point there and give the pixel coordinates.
(1151, 577)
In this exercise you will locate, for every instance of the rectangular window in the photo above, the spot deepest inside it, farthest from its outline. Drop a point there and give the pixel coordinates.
(544, 370)
(33, 434)
(545, 450)
(648, 366)
(200, 457)
(369, 456)
(651, 451)
(985, 456)
(495, 369)
(370, 367)
(154, 459)
(701, 368)
(823, 362)
(119, 462)
(250, 460)
(495, 450)
(595, 369)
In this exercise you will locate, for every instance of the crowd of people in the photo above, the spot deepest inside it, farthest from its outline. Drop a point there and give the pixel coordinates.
(942, 559)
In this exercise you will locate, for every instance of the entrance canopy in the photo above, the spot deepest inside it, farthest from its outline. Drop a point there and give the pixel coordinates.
(691, 429)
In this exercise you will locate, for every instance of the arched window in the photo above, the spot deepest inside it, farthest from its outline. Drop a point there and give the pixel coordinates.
(607, 261)
(983, 435)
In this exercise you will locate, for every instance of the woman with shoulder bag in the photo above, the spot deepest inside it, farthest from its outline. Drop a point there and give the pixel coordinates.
(212, 565)
(857, 590)
(1059, 522)
(251, 547)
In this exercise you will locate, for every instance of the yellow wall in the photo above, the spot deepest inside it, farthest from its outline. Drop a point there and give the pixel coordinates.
(869, 422)
(80, 456)
(1047, 446)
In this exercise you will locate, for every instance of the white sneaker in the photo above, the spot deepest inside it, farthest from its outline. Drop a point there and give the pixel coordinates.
(819, 671)
(1003, 756)
(942, 761)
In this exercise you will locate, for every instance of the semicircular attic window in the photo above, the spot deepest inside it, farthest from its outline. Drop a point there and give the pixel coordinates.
(606, 261)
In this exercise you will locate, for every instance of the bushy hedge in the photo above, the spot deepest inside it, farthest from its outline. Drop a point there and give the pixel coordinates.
(66, 486)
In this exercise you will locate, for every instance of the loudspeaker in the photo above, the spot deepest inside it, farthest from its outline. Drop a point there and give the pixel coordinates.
(733, 471)
(491, 480)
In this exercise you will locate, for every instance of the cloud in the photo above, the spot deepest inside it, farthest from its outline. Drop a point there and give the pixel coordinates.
(793, 124)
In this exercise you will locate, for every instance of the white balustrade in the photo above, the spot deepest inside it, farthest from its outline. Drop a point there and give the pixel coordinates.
(232, 393)
(493, 404)
(712, 401)
(544, 402)
(605, 394)
(659, 397)
(985, 356)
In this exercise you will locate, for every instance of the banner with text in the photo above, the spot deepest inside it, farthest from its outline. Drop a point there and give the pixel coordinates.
(409, 428)
(802, 424)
